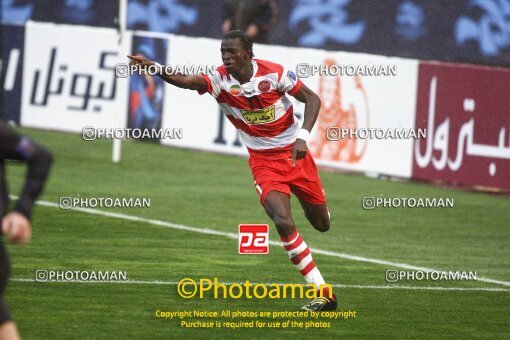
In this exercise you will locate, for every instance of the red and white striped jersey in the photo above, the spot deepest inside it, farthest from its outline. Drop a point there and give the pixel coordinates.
(259, 108)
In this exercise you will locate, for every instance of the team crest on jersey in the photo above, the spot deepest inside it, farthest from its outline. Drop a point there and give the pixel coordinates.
(264, 86)
(259, 116)
(234, 90)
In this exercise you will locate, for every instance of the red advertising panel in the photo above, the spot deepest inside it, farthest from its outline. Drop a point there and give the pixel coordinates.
(466, 111)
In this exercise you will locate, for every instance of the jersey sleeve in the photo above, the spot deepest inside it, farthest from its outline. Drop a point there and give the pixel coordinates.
(209, 85)
(213, 84)
(38, 159)
(289, 82)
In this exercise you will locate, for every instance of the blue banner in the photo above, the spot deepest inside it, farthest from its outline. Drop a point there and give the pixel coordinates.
(75, 12)
(472, 31)
(11, 72)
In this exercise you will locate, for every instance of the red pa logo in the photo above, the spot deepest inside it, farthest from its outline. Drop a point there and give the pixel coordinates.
(253, 239)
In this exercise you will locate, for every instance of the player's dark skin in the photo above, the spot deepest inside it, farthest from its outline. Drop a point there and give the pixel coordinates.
(237, 61)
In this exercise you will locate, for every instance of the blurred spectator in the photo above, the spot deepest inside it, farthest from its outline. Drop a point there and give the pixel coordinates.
(255, 17)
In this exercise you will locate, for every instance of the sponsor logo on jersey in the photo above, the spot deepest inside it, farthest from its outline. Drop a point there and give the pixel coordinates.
(249, 93)
(265, 115)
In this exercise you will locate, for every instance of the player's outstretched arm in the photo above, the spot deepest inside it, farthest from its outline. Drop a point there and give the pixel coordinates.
(179, 80)
(312, 107)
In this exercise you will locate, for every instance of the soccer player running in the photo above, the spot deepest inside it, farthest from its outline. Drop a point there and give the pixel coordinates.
(16, 225)
(251, 93)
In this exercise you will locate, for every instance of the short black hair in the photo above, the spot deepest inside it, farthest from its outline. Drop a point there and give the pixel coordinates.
(243, 38)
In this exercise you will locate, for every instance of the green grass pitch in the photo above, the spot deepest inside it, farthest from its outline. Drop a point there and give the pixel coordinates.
(204, 190)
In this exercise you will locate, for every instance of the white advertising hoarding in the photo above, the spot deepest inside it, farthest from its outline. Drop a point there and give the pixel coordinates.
(69, 77)
(378, 102)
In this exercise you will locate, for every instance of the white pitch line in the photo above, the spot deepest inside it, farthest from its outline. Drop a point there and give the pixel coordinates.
(174, 283)
(235, 236)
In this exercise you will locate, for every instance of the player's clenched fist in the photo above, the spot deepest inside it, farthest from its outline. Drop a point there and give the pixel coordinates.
(299, 150)
(17, 228)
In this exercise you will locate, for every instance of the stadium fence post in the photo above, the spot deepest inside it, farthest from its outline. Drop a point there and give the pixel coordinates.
(117, 143)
